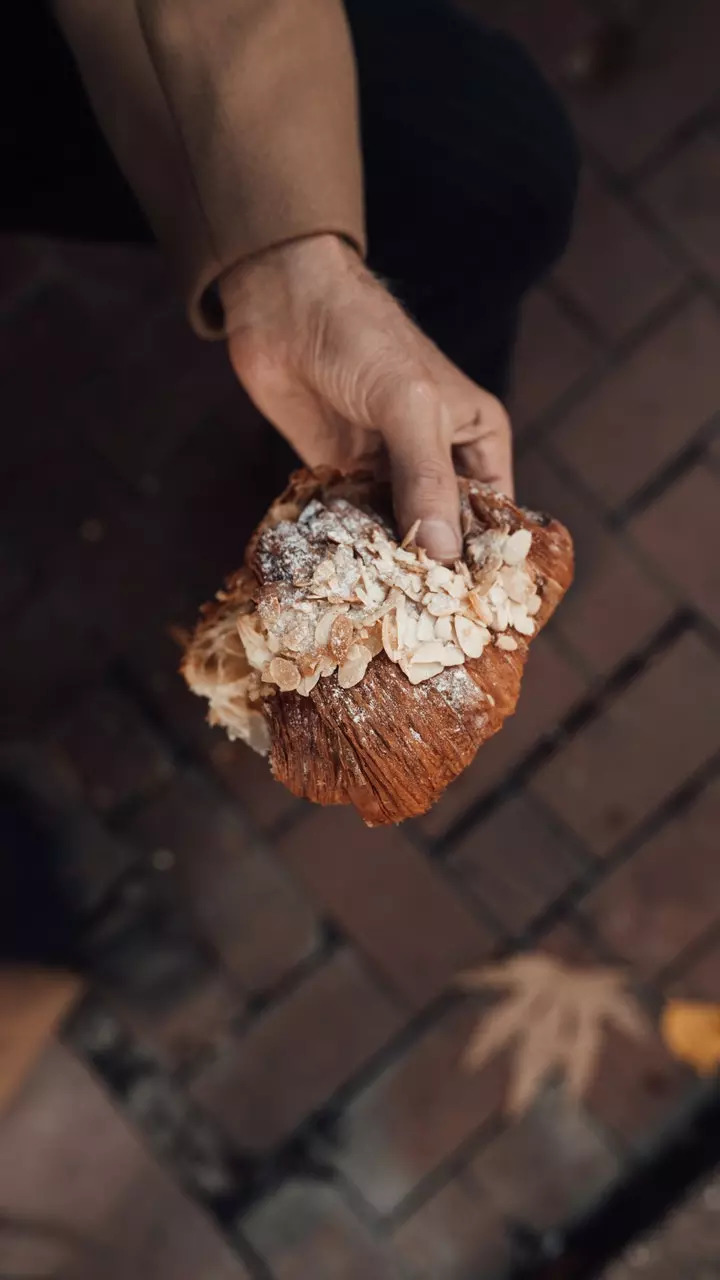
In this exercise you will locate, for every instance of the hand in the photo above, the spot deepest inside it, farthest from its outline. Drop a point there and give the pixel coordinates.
(331, 359)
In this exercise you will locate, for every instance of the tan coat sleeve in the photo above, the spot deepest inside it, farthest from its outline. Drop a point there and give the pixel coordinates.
(235, 121)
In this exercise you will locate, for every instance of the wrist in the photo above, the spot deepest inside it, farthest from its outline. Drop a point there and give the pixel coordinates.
(296, 269)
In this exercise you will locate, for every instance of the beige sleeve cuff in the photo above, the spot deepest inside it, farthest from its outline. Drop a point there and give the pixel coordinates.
(235, 121)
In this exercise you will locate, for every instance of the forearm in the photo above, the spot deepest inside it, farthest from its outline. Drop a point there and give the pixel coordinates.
(235, 121)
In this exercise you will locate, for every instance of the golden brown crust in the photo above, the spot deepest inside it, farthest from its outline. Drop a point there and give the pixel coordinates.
(387, 746)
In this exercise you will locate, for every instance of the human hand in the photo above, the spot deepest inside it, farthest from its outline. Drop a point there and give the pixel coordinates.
(332, 360)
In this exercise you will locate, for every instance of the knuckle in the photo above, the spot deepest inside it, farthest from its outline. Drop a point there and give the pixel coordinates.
(431, 476)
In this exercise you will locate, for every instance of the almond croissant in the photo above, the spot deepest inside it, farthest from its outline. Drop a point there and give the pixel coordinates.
(368, 672)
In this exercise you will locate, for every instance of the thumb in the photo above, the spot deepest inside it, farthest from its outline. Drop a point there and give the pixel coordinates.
(424, 483)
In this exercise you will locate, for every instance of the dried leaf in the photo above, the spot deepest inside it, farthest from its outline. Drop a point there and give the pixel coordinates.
(691, 1031)
(554, 1016)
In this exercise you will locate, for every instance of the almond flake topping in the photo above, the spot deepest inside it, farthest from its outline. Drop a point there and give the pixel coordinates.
(358, 593)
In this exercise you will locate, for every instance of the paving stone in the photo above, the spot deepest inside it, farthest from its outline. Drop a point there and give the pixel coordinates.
(457, 1234)
(670, 78)
(681, 531)
(248, 778)
(638, 1089)
(614, 268)
(699, 977)
(68, 1158)
(613, 607)
(297, 1054)
(651, 738)
(304, 1229)
(666, 896)
(647, 409)
(551, 687)
(418, 1112)
(516, 863)
(389, 899)
(127, 412)
(685, 195)
(240, 897)
(112, 749)
(547, 1167)
(551, 357)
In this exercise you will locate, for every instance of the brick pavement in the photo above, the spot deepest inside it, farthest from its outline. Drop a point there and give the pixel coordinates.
(272, 1012)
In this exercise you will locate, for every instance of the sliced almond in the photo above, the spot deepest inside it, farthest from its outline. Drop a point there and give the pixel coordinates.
(416, 672)
(405, 557)
(532, 605)
(411, 534)
(432, 652)
(341, 637)
(472, 636)
(256, 648)
(444, 629)
(516, 546)
(452, 656)
(480, 605)
(283, 673)
(516, 582)
(390, 640)
(372, 640)
(501, 620)
(438, 576)
(439, 604)
(506, 642)
(426, 627)
(324, 626)
(307, 683)
(520, 620)
(457, 586)
(354, 667)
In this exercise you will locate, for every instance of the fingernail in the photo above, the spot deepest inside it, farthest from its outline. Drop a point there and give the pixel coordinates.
(440, 539)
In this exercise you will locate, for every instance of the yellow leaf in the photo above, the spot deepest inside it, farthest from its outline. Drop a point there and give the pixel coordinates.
(691, 1031)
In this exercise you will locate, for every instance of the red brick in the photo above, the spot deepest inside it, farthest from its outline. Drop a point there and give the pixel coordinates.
(158, 386)
(551, 34)
(187, 1029)
(418, 1112)
(550, 688)
(515, 863)
(305, 1230)
(457, 1233)
(38, 674)
(648, 408)
(390, 900)
(243, 903)
(53, 332)
(681, 531)
(699, 979)
(637, 1088)
(558, 1138)
(68, 1158)
(247, 776)
(613, 607)
(651, 738)
(297, 1054)
(665, 897)
(672, 75)
(685, 196)
(209, 499)
(552, 355)
(118, 278)
(154, 659)
(614, 268)
(113, 751)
